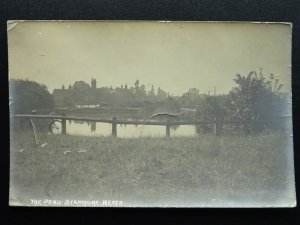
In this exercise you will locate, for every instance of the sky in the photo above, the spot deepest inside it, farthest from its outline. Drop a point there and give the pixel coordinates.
(175, 56)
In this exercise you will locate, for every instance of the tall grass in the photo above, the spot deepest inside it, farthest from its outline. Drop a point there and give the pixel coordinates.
(181, 171)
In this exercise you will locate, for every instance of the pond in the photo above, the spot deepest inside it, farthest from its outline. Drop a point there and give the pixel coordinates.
(127, 131)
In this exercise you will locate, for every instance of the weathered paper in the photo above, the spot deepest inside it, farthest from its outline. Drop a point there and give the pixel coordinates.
(150, 114)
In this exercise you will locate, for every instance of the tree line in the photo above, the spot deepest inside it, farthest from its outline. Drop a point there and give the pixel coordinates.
(254, 98)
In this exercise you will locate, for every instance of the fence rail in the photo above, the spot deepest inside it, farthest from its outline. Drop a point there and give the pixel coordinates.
(114, 121)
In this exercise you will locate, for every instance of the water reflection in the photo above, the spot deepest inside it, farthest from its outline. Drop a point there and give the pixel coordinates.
(93, 127)
(127, 131)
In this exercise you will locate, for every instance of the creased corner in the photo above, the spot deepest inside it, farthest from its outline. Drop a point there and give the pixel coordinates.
(11, 24)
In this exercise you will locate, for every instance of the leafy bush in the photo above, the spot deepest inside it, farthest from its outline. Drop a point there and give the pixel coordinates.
(212, 108)
(257, 100)
(29, 95)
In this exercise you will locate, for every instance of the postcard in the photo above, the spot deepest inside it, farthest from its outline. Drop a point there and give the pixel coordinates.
(150, 114)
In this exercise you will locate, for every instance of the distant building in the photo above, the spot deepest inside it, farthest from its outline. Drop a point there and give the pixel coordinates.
(80, 93)
(62, 97)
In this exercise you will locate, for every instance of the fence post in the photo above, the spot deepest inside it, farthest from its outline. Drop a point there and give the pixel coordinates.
(215, 129)
(114, 127)
(64, 125)
(168, 128)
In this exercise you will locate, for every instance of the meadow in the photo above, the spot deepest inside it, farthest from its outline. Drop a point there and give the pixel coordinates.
(203, 171)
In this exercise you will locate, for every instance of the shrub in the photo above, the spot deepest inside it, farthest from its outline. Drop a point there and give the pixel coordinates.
(29, 95)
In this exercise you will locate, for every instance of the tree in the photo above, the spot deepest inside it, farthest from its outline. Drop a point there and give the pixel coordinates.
(136, 85)
(29, 95)
(141, 94)
(255, 99)
(190, 98)
(210, 109)
(151, 92)
(161, 94)
(81, 93)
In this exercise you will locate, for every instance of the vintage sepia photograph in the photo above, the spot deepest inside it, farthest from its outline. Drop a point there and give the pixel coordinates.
(150, 114)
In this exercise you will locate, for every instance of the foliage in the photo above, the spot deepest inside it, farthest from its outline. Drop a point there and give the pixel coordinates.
(29, 95)
(81, 92)
(212, 108)
(253, 105)
(255, 99)
(190, 98)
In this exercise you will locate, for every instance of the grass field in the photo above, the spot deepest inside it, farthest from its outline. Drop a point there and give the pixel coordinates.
(197, 171)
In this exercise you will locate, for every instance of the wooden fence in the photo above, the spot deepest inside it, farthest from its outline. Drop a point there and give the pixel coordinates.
(114, 121)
